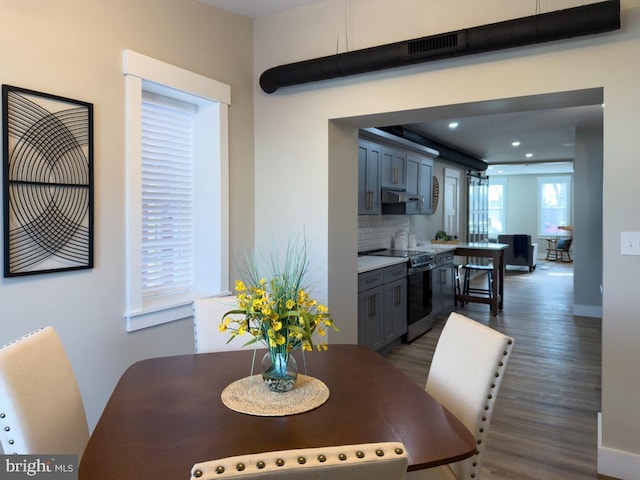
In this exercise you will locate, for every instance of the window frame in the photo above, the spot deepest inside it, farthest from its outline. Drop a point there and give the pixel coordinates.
(213, 98)
(499, 181)
(561, 179)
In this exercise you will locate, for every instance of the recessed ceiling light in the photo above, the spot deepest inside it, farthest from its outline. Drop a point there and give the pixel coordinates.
(516, 143)
(453, 125)
(529, 155)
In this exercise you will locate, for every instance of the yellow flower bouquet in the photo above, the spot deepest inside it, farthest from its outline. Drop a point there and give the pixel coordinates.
(277, 310)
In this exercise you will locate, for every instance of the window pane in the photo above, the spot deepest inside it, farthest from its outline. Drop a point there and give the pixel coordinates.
(496, 209)
(167, 197)
(554, 205)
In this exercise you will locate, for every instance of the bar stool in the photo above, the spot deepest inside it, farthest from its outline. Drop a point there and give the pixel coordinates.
(468, 269)
(456, 280)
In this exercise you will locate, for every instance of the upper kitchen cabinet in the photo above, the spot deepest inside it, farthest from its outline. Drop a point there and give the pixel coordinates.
(369, 157)
(393, 173)
(420, 181)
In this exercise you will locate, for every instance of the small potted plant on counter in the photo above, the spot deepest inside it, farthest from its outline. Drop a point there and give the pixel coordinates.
(442, 237)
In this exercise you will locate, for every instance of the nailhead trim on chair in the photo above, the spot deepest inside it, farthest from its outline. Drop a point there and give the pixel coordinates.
(219, 470)
(3, 416)
(487, 408)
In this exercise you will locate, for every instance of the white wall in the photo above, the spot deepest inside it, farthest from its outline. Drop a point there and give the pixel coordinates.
(522, 216)
(296, 135)
(588, 207)
(74, 49)
(522, 206)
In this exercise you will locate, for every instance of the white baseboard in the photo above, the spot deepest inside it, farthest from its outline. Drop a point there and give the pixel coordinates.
(616, 463)
(587, 311)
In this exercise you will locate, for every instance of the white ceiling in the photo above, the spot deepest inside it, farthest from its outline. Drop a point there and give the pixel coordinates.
(257, 8)
(544, 125)
(545, 135)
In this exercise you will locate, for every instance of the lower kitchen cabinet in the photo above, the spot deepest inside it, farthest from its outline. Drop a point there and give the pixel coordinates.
(382, 306)
(443, 276)
(395, 310)
(371, 318)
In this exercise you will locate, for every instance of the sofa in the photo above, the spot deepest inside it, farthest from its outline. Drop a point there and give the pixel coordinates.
(521, 251)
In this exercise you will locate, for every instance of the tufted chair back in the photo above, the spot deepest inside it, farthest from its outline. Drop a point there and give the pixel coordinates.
(41, 410)
(465, 376)
(380, 461)
(207, 314)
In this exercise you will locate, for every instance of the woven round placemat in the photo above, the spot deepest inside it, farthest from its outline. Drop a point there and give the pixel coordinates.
(250, 395)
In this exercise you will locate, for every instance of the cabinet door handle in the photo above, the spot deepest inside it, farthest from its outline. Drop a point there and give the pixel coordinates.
(373, 306)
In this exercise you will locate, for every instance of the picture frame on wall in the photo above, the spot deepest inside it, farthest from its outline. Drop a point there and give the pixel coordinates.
(47, 182)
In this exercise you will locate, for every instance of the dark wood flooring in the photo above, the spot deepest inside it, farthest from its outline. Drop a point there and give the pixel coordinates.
(545, 422)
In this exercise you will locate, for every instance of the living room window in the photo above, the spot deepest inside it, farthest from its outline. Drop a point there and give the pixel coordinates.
(177, 190)
(497, 206)
(554, 199)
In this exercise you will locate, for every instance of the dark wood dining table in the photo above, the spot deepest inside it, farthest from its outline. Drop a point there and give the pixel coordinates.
(166, 414)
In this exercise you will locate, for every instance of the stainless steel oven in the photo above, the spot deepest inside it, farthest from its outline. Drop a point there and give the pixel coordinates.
(420, 300)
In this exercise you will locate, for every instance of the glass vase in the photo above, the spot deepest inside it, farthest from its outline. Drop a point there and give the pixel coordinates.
(279, 371)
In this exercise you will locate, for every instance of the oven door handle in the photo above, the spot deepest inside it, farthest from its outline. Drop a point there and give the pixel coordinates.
(421, 269)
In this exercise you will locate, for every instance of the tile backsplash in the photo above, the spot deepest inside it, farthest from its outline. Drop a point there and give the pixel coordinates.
(377, 231)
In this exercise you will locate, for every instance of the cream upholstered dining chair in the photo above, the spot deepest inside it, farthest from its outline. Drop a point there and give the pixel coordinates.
(465, 375)
(207, 313)
(369, 461)
(41, 409)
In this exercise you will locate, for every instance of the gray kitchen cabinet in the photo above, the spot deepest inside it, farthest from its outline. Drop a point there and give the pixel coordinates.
(371, 318)
(371, 309)
(443, 293)
(369, 157)
(393, 166)
(382, 306)
(420, 181)
(395, 310)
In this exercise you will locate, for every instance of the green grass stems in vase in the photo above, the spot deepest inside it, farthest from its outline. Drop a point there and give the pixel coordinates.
(276, 309)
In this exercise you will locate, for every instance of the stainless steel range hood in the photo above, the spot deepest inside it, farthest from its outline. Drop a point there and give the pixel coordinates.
(397, 196)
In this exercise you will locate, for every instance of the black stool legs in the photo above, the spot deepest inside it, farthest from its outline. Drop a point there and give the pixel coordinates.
(468, 290)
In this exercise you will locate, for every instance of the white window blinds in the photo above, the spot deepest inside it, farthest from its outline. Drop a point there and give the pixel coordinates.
(167, 196)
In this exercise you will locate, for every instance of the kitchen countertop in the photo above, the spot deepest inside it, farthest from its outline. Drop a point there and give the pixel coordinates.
(367, 263)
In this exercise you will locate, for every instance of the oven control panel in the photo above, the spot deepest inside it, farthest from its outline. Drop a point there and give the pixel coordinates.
(422, 259)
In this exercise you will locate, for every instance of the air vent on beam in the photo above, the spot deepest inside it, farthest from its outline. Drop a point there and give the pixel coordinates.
(449, 42)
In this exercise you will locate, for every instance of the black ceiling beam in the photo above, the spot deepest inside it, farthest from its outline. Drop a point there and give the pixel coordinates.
(445, 152)
(579, 21)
